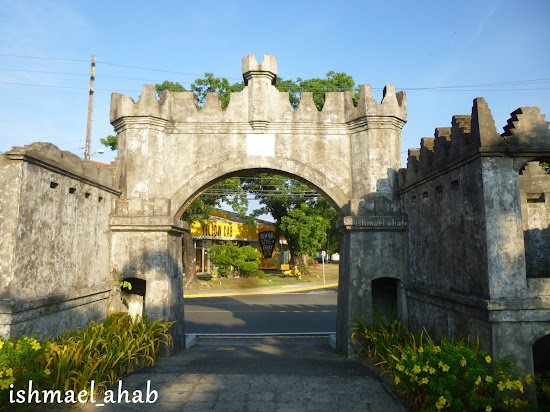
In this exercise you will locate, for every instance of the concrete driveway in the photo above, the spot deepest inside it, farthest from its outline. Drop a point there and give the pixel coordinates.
(257, 374)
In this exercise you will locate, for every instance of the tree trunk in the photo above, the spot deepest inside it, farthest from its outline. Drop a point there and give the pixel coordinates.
(300, 261)
(189, 261)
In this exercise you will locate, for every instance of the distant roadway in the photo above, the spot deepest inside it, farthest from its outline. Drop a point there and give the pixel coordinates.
(294, 312)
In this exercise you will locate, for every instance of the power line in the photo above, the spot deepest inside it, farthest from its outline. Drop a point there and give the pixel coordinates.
(139, 91)
(67, 87)
(43, 58)
(289, 89)
(84, 74)
(158, 70)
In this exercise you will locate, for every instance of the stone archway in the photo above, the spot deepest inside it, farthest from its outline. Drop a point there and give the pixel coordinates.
(169, 151)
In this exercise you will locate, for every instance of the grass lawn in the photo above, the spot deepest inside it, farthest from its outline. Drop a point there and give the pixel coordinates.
(272, 278)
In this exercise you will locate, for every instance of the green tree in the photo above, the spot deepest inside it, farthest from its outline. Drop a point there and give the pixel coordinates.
(306, 231)
(223, 256)
(280, 196)
(334, 82)
(241, 261)
(110, 141)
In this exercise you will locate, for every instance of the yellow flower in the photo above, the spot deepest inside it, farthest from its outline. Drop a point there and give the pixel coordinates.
(488, 359)
(501, 385)
(416, 369)
(47, 371)
(528, 379)
(1, 344)
(440, 364)
(426, 368)
(462, 362)
(509, 385)
(424, 381)
(403, 356)
(413, 357)
(10, 344)
(478, 380)
(436, 349)
(488, 408)
(440, 404)
(9, 372)
(420, 350)
(5, 383)
(400, 368)
(489, 379)
(432, 370)
(1, 373)
(445, 368)
(397, 380)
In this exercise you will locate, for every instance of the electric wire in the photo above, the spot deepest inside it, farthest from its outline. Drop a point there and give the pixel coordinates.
(289, 89)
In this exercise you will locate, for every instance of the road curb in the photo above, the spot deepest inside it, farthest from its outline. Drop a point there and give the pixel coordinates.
(261, 292)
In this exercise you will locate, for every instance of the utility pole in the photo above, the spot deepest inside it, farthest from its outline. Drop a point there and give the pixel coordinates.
(90, 111)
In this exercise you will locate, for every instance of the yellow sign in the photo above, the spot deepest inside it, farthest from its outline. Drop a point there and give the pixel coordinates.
(227, 230)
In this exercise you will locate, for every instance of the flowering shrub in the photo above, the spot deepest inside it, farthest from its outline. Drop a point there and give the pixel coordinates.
(446, 375)
(20, 361)
(104, 351)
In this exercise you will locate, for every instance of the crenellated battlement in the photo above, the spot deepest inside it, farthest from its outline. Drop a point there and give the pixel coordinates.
(260, 103)
(251, 68)
(471, 135)
(527, 126)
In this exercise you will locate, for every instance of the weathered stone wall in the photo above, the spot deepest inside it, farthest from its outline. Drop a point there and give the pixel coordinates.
(150, 249)
(55, 240)
(535, 208)
(466, 250)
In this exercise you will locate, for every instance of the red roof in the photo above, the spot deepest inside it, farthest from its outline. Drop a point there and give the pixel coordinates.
(99, 164)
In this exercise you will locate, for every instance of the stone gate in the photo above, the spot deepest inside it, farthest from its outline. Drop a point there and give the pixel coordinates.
(170, 151)
(458, 240)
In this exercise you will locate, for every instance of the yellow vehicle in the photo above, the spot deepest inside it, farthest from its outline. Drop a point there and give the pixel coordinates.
(287, 272)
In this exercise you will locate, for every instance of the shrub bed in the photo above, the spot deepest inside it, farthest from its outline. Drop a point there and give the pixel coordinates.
(440, 375)
(104, 352)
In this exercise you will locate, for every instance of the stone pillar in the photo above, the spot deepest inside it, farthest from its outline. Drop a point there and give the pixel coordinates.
(373, 241)
(504, 228)
(259, 78)
(370, 248)
(150, 248)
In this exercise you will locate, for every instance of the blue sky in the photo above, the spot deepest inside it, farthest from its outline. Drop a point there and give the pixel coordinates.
(409, 44)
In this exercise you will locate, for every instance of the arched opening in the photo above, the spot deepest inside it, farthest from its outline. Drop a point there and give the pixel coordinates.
(385, 298)
(541, 363)
(535, 209)
(279, 194)
(190, 192)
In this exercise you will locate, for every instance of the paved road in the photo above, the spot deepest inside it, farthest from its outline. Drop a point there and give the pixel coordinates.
(310, 311)
(259, 374)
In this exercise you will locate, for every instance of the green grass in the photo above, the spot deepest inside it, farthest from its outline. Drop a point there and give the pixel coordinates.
(272, 278)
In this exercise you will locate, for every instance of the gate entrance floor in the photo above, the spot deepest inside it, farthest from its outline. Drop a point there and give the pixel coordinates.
(284, 373)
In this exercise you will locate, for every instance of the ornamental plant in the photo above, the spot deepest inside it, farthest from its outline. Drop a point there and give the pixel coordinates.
(21, 360)
(241, 261)
(443, 375)
(104, 352)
